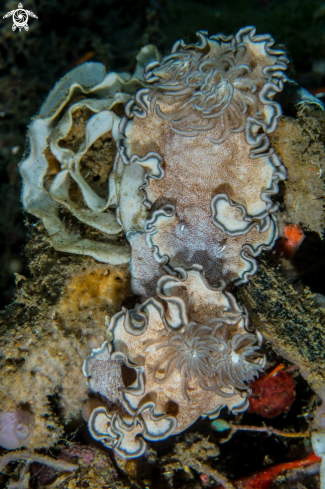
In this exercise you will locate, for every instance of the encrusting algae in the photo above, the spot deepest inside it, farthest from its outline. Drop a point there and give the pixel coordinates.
(299, 144)
(156, 192)
(42, 362)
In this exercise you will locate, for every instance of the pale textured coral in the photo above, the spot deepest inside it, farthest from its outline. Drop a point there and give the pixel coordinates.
(51, 364)
(190, 353)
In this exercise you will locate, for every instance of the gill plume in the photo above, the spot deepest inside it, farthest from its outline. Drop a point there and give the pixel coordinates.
(203, 351)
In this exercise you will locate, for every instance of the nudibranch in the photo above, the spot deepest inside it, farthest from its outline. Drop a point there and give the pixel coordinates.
(189, 180)
(197, 150)
(187, 353)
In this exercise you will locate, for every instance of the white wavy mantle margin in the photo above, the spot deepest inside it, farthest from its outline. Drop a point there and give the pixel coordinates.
(134, 416)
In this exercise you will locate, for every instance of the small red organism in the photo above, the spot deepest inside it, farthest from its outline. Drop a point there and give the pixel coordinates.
(88, 56)
(204, 479)
(317, 91)
(288, 244)
(272, 394)
(264, 479)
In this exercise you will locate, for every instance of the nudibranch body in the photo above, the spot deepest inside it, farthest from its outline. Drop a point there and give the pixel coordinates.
(199, 134)
(196, 154)
(185, 354)
(191, 188)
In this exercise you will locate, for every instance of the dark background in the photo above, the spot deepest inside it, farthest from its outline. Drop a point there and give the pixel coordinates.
(112, 32)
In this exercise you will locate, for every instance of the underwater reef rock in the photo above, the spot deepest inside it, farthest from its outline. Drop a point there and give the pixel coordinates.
(187, 177)
(155, 194)
(299, 143)
(290, 319)
(288, 313)
(280, 302)
(56, 320)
